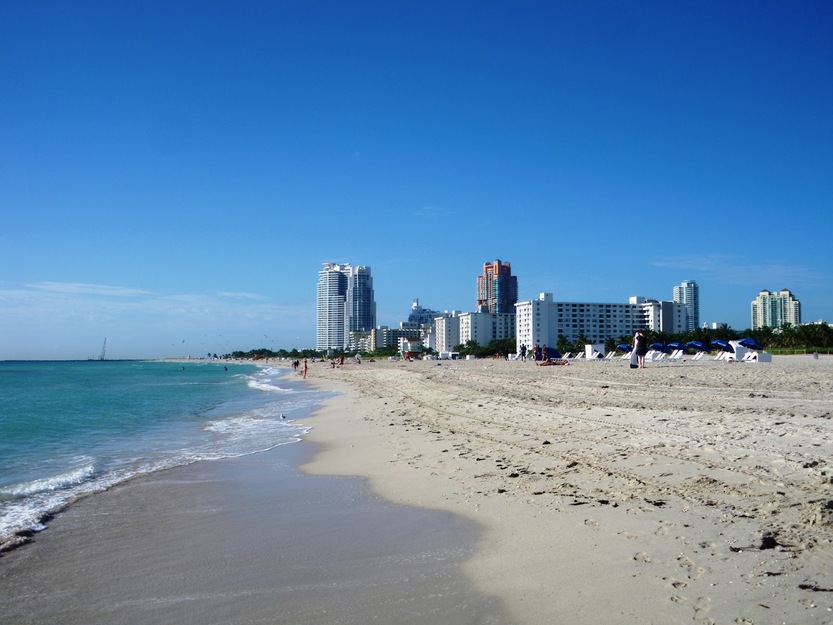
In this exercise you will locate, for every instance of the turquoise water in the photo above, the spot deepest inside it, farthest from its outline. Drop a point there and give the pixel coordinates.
(73, 428)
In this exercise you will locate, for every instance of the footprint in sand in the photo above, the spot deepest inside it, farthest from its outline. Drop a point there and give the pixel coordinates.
(675, 583)
(694, 572)
(642, 557)
(701, 607)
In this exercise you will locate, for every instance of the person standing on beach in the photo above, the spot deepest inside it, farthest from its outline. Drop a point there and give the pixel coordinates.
(523, 352)
(640, 346)
(305, 368)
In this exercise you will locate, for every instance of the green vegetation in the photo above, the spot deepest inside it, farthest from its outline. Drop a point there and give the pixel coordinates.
(263, 353)
(499, 348)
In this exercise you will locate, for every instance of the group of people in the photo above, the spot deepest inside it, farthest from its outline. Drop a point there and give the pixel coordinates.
(538, 353)
(296, 364)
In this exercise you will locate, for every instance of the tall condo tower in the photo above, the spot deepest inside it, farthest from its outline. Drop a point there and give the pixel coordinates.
(688, 295)
(360, 313)
(773, 310)
(497, 288)
(344, 304)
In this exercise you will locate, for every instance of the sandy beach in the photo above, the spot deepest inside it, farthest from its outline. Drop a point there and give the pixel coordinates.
(250, 540)
(684, 492)
(476, 492)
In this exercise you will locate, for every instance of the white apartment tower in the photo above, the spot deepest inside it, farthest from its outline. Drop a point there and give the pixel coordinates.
(773, 310)
(344, 304)
(688, 295)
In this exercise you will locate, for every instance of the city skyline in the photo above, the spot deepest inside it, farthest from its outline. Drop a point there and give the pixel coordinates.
(171, 175)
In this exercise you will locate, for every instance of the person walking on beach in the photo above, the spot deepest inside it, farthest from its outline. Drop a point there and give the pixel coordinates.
(523, 352)
(640, 346)
(305, 369)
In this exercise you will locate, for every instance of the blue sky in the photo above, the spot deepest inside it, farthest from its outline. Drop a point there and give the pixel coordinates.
(172, 175)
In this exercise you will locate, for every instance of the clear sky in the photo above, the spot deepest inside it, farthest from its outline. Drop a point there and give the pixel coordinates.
(173, 174)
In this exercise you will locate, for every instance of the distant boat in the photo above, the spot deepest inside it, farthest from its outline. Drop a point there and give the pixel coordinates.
(103, 351)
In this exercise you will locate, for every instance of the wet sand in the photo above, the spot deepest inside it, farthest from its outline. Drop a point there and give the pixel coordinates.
(248, 540)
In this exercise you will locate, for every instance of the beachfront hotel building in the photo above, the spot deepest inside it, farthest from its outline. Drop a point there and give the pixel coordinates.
(497, 288)
(773, 310)
(484, 327)
(345, 305)
(687, 294)
(543, 321)
(447, 331)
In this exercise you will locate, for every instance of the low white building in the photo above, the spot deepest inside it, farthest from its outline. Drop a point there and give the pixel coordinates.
(484, 327)
(543, 321)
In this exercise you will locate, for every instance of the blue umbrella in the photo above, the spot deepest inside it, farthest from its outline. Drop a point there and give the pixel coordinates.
(551, 353)
(660, 347)
(723, 345)
(750, 344)
(624, 348)
(698, 346)
(678, 346)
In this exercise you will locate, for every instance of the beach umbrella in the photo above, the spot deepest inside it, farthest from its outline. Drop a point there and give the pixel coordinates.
(678, 346)
(624, 348)
(750, 344)
(698, 346)
(551, 353)
(723, 345)
(660, 347)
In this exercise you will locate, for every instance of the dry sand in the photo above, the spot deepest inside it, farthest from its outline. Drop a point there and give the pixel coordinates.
(684, 492)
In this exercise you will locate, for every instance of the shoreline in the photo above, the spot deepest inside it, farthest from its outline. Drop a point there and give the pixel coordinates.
(684, 491)
(249, 539)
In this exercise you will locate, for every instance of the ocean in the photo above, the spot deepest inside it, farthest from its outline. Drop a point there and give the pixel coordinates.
(70, 429)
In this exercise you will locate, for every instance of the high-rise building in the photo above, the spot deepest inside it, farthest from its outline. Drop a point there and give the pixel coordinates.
(360, 315)
(688, 294)
(773, 310)
(345, 304)
(497, 288)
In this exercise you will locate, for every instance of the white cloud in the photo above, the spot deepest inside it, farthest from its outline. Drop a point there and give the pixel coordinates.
(80, 288)
(736, 270)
